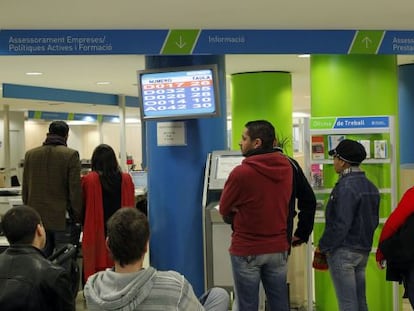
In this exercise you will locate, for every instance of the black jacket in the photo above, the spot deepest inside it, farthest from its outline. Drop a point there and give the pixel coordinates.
(398, 250)
(304, 196)
(28, 281)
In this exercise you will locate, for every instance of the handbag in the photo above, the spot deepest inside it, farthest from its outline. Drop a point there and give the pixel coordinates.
(319, 261)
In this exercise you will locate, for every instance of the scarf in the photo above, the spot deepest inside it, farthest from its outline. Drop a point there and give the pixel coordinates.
(54, 139)
(262, 151)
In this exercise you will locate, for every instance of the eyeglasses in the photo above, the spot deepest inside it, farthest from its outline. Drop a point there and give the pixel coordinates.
(336, 155)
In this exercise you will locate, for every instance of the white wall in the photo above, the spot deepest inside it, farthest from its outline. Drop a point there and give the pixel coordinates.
(85, 138)
(17, 141)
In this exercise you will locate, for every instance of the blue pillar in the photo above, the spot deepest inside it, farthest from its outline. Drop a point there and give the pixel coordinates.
(406, 113)
(175, 181)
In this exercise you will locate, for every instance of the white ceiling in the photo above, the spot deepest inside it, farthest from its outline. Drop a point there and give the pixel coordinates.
(82, 72)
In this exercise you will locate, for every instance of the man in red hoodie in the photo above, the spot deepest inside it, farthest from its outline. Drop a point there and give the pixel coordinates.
(259, 197)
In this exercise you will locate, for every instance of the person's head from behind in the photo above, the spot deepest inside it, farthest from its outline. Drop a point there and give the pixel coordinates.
(127, 235)
(259, 134)
(104, 160)
(348, 153)
(22, 225)
(59, 128)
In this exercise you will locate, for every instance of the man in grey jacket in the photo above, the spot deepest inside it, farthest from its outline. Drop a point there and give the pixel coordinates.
(51, 185)
(128, 286)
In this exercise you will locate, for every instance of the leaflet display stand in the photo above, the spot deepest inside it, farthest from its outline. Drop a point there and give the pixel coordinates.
(377, 135)
(216, 233)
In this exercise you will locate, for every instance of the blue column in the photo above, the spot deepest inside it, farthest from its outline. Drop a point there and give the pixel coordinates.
(175, 182)
(406, 113)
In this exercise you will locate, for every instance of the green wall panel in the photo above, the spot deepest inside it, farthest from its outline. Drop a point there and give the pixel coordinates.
(354, 85)
(262, 95)
(357, 85)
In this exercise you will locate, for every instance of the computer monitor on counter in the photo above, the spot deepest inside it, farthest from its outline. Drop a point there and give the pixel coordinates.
(140, 179)
(222, 163)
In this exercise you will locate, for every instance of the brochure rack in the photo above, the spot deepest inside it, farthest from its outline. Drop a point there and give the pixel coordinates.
(377, 135)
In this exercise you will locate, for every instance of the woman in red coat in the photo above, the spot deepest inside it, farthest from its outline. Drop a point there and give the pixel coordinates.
(105, 189)
(401, 270)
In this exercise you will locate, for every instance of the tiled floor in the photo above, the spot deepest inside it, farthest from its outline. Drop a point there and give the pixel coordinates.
(406, 305)
(80, 302)
(81, 305)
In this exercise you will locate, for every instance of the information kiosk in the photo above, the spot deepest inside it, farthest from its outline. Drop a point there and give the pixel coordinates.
(217, 234)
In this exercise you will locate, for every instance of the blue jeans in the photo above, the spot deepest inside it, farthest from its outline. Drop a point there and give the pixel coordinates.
(215, 299)
(271, 269)
(347, 269)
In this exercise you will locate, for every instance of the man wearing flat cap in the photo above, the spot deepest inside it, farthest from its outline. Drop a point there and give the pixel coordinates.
(352, 215)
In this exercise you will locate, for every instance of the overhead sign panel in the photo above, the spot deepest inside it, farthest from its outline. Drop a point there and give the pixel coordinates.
(274, 41)
(349, 122)
(398, 42)
(81, 42)
(204, 41)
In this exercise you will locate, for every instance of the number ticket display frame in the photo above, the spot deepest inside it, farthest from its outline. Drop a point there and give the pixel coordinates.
(173, 93)
(377, 135)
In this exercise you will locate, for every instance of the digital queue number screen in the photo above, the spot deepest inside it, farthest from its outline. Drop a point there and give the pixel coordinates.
(179, 94)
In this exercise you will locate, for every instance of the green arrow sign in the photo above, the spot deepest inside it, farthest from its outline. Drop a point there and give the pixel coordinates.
(180, 41)
(366, 42)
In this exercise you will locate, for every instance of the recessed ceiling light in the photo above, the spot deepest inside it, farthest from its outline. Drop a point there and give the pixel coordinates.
(34, 73)
(300, 115)
(103, 83)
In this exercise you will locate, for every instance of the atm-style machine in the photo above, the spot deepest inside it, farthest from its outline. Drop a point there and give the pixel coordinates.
(217, 234)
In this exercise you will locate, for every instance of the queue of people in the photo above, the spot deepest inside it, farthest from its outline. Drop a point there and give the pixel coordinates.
(260, 200)
(56, 198)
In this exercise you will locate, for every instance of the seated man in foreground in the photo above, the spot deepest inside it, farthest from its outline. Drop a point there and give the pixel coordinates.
(128, 286)
(29, 281)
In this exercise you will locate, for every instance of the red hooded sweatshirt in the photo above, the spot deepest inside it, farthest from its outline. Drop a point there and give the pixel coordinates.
(259, 191)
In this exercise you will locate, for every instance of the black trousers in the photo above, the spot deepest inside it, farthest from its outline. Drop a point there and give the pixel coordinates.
(408, 282)
(55, 240)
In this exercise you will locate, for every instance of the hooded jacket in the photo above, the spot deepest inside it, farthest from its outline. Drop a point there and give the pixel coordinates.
(147, 289)
(259, 192)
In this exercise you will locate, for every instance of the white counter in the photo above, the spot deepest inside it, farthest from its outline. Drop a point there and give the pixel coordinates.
(3, 241)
